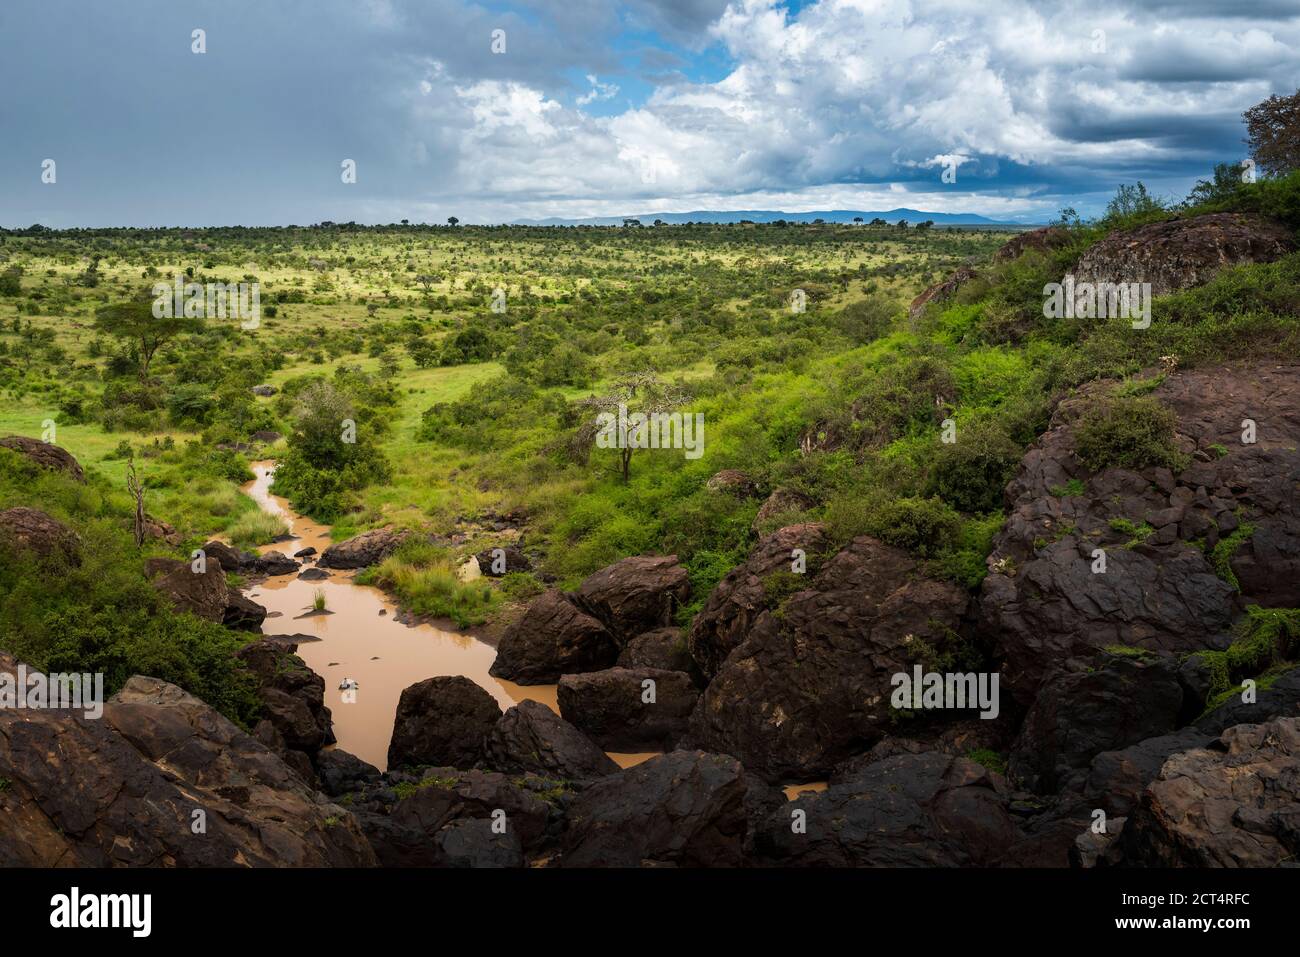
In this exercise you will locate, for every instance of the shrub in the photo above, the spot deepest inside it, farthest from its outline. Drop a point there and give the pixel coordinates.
(971, 473)
(1131, 432)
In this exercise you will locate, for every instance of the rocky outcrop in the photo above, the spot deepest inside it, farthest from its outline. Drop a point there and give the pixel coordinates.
(292, 695)
(550, 639)
(663, 648)
(1043, 605)
(242, 613)
(45, 455)
(32, 530)
(941, 292)
(156, 530)
(911, 810)
(748, 590)
(442, 721)
(625, 709)
(532, 737)
(368, 548)
(810, 684)
(1236, 805)
(129, 788)
(685, 808)
(1180, 253)
(231, 558)
(1076, 716)
(635, 595)
(1035, 240)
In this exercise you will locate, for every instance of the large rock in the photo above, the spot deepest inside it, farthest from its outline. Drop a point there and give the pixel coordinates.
(242, 613)
(340, 772)
(615, 709)
(1179, 253)
(635, 595)
(204, 594)
(124, 790)
(231, 558)
(663, 648)
(942, 291)
(1076, 716)
(810, 684)
(732, 482)
(274, 563)
(45, 455)
(532, 737)
(552, 638)
(405, 832)
(911, 810)
(1040, 240)
(34, 530)
(442, 721)
(1234, 806)
(368, 548)
(747, 591)
(292, 695)
(685, 808)
(1041, 603)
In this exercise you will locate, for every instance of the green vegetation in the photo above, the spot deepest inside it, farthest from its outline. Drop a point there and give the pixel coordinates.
(421, 576)
(989, 759)
(96, 611)
(1127, 432)
(1221, 554)
(407, 399)
(256, 528)
(1266, 645)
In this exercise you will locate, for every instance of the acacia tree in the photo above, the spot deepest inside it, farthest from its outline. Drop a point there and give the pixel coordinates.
(134, 323)
(1273, 133)
(642, 392)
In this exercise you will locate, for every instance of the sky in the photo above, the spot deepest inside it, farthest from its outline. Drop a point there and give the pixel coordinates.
(496, 111)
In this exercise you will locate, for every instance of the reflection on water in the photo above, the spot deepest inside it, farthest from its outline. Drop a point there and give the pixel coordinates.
(362, 640)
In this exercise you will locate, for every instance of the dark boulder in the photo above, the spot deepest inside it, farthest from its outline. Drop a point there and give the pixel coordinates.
(368, 548)
(473, 842)
(510, 559)
(685, 808)
(663, 648)
(442, 721)
(242, 613)
(911, 810)
(231, 558)
(204, 594)
(292, 695)
(810, 686)
(552, 638)
(748, 590)
(1077, 716)
(274, 563)
(32, 530)
(340, 772)
(45, 455)
(624, 709)
(532, 737)
(635, 595)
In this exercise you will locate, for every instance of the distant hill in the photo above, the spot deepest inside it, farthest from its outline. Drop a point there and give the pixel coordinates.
(770, 215)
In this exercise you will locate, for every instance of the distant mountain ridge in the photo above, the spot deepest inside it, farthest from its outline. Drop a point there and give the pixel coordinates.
(891, 216)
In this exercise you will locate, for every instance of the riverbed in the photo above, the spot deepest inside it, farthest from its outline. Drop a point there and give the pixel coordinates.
(360, 638)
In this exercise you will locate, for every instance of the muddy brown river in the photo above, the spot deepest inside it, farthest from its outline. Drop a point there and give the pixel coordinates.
(361, 638)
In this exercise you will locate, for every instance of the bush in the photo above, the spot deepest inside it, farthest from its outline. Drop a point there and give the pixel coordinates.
(256, 527)
(424, 580)
(971, 473)
(1130, 432)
